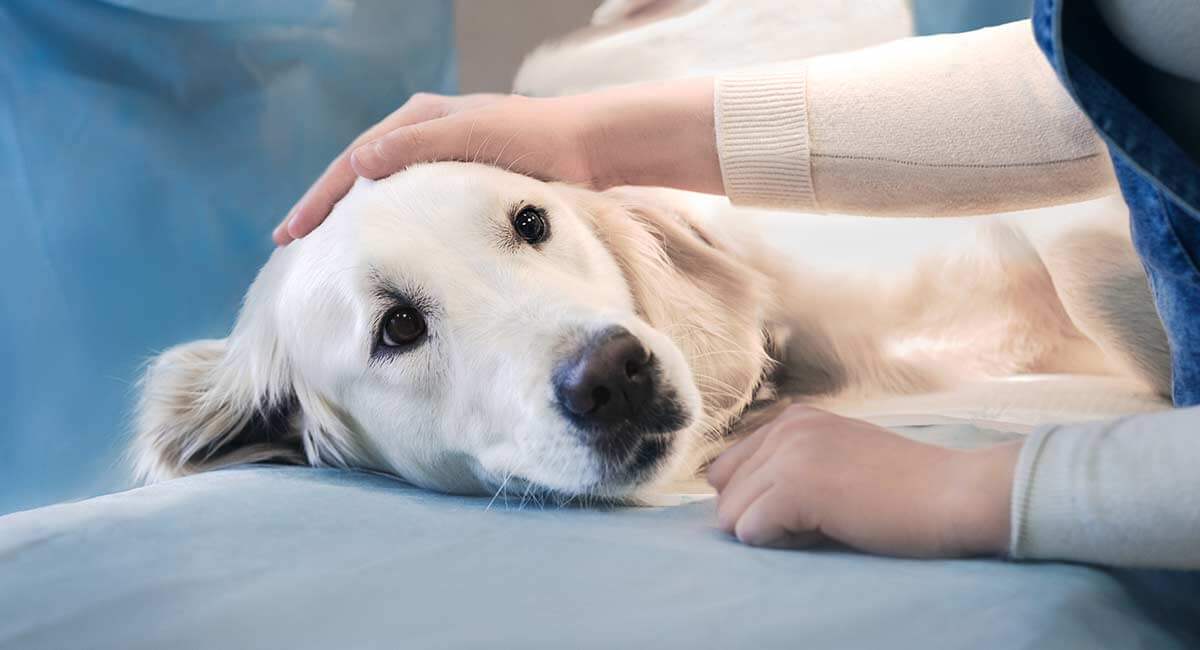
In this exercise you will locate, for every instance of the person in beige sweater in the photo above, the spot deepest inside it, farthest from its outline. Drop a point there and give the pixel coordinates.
(946, 125)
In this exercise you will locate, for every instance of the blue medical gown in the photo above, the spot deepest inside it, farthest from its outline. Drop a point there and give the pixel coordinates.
(147, 148)
(941, 16)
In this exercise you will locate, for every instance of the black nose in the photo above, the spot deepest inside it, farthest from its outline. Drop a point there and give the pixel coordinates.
(608, 380)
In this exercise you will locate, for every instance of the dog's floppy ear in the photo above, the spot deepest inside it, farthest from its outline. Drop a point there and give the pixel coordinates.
(201, 408)
(213, 403)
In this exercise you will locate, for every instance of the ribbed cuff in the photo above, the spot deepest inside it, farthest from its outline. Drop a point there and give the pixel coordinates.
(762, 138)
(1033, 489)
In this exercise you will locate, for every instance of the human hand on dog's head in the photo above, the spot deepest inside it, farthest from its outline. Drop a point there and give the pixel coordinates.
(646, 134)
(338, 177)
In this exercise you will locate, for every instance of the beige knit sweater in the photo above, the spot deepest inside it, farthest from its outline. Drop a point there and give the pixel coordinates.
(969, 124)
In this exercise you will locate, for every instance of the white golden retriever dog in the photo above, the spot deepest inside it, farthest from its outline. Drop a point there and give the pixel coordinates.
(476, 331)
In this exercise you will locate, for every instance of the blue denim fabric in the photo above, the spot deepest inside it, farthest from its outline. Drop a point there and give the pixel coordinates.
(1161, 185)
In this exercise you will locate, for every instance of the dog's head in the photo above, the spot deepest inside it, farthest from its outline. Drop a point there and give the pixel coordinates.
(472, 330)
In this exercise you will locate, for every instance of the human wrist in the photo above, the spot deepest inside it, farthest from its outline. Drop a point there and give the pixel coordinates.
(657, 134)
(978, 511)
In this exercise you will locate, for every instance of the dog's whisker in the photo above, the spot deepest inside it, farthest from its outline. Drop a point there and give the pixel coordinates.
(525, 495)
(709, 384)
(557, 459)
(731, 395)
(715, 380)
(503, 484)
(483, 145)
(500, 154)
(519, 158)
(707, 331)
(470, 132)
(568, 501)
(713, 353)
(715, 383)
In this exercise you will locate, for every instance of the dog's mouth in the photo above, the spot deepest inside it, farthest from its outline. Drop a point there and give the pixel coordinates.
(616, 475)
(618, 485)
(629, 451)
(642, 459)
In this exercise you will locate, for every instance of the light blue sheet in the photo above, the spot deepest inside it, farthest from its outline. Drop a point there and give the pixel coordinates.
(147, 149)
(302, 558)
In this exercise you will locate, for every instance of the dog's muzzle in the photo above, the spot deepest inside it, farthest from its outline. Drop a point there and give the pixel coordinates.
(612, 390)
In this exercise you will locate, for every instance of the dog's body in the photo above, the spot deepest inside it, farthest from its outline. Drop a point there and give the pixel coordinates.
(476, 331)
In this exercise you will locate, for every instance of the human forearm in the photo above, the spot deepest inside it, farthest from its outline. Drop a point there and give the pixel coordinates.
(654, 134)
(947, 125)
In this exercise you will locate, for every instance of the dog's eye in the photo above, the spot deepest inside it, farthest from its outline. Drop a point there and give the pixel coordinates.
(402, 326)
(530, 223)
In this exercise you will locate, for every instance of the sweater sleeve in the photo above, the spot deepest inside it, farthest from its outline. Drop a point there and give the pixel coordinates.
(1122, 493)
(939, 125)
